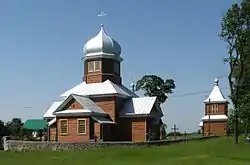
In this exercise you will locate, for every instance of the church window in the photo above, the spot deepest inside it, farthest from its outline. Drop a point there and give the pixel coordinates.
(64, 126)
(97, 65)
(81, 126)
(91, 66)
(215, 108)
(94, 66)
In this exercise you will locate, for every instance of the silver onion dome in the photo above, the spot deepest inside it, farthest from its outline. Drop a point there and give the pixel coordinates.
(102, 45)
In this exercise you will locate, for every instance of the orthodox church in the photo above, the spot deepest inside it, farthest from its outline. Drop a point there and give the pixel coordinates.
(216, 110)
(101, 107)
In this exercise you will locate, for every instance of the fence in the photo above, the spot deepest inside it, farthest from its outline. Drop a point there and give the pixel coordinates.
(15, 145)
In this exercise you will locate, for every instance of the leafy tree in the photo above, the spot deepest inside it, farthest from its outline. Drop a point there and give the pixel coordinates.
(230, 123)
(234, 31)
(163, 132)
(3, 129)
(15, 128)
(153, 85)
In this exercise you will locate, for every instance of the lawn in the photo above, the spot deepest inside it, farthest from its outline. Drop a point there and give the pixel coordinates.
(210, 152)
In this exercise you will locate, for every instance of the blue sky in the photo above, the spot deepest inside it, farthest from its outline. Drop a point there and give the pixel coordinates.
(41, 48)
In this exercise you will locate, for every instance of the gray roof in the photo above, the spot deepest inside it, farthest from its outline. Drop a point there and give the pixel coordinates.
(85, 102)
(88, 104)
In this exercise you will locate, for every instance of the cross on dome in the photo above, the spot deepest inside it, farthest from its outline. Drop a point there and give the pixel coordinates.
(216, 81)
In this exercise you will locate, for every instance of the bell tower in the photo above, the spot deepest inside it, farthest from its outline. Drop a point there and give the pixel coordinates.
(102, 59)
(216, 111)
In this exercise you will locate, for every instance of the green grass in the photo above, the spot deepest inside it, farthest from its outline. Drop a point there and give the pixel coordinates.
(209, 152)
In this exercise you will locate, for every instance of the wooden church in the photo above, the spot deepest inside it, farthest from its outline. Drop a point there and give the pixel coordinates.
(101, 107)
(216, 113)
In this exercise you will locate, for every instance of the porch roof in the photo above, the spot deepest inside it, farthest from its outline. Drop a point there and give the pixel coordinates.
(140, 106)
(103, 119)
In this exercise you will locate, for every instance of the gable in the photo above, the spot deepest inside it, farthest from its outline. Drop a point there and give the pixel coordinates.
(72, 104)
(155, 111)
(78, 104)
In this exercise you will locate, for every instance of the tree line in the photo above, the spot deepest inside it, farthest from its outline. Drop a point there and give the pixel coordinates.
(235, 32)
(14, 129)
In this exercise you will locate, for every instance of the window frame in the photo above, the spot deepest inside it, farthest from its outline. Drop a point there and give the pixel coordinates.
(67, 123)
(215, 108)
(94, 63)
(89, 68)
(85, 126)
(100, 66)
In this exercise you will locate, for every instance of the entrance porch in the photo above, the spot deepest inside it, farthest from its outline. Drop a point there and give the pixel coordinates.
(101, 128)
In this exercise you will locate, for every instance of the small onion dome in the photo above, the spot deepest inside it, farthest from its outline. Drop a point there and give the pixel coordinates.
(102, 45)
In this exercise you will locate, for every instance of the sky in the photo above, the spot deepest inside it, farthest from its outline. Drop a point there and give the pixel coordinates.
(41, 46)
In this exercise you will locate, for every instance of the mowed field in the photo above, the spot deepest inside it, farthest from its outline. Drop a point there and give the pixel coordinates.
(220, 151)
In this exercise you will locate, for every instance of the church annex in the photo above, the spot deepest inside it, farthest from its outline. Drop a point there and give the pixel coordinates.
(100, 107)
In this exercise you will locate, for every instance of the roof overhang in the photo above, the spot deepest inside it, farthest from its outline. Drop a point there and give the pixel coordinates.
(214, 118)
(102, 55)
(51, 122)
(102, 95)
(217, 102)
(109, 95)
(74, 113)
(201, 124)
(132, 115)
(103, 119)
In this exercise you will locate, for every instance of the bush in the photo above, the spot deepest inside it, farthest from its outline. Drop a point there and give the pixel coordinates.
(175, 134)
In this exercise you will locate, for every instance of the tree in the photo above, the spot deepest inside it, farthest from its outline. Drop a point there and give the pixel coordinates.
(234, 31)
(3, 129)
(163, 132)
(153, 85)
(15, 128)
(230, 123)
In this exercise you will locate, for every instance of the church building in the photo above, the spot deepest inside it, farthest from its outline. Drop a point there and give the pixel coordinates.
(101, 107)
(216, 113)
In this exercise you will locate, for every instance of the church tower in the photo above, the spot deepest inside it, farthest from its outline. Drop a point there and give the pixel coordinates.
(102, 59)
(216, 110)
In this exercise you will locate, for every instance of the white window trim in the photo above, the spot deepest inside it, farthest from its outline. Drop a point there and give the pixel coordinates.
(61, 126)
(89, 63)
(85, 129)
(94, 66)
(99, 64)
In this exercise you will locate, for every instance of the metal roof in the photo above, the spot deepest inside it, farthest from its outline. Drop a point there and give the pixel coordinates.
(104, 88)
(139, 106)
(216, 95)
(88, 105)
(214, 117)
(35, 124)
(52, 108)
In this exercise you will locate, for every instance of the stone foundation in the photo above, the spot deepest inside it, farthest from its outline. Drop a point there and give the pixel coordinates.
(15, 145)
